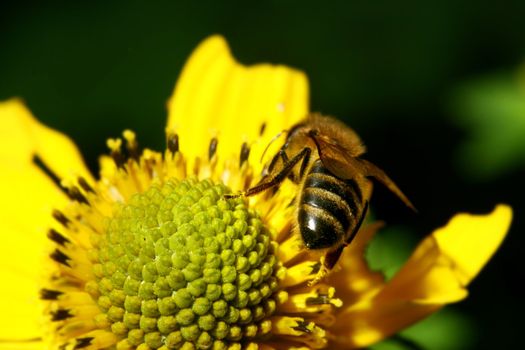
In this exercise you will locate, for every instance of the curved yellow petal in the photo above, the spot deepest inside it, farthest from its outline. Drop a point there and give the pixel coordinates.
(446, 261)
(352, 277)
(470, 240)
(372, 321)
(428, 277)
(216, 96)
(28, 197)
(436, 274)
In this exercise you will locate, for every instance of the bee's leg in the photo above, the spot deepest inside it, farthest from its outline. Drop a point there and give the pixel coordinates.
(282, 154)
(284, 157)
(305, 162)
(328, 262)
(277, 178)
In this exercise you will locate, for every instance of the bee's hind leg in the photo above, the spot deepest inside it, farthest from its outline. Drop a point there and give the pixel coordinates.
(328, 262)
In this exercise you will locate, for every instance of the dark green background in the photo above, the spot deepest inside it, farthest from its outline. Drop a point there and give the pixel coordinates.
(388, 68)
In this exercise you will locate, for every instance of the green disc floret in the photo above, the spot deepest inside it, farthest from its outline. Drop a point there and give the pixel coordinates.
(180, 266)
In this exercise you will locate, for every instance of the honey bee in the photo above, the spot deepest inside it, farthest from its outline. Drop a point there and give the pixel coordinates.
(322, 156)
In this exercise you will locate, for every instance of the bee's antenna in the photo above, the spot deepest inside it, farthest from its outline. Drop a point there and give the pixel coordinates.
(270, 143)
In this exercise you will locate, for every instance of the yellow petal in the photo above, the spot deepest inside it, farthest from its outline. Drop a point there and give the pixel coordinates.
(444, 263)
(374, 320)
(436, 274)
(352, 277)
(217, 97)
(22, 137)
(470, 240)
(19, 296)
(30, 345)
(28, 197)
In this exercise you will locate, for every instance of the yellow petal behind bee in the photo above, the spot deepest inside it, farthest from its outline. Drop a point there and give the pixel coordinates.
(218, 97)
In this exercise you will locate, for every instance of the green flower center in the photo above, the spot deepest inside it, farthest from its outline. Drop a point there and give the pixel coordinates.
(182, 267)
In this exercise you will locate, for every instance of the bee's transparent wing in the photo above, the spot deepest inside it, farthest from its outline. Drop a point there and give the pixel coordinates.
(340, 163)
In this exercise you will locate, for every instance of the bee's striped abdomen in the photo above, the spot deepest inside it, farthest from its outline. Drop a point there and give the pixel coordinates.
(329, 207)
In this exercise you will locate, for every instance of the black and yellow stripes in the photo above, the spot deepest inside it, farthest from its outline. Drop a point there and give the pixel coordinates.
(329, 207)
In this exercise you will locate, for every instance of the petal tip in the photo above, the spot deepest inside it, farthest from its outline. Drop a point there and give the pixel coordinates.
(14, 106)
(215, 41)
(470, 240)
(504, 213)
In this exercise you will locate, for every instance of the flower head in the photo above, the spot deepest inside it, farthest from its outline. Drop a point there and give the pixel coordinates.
(152, 255)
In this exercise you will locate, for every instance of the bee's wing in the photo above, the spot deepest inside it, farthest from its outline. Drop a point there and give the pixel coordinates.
(337, 159)
(339, 162)
(371, 170)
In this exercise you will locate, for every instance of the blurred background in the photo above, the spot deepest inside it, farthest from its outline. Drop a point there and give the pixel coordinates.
(436, 89)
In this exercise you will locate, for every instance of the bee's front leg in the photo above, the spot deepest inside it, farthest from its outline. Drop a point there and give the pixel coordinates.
(275, 179)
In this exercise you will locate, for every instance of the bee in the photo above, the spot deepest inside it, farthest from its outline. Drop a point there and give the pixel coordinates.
(322, 156)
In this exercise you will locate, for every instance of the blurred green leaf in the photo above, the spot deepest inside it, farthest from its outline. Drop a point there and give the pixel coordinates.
(391, 344)
(389, 249)
(444, 330)
(492, 110)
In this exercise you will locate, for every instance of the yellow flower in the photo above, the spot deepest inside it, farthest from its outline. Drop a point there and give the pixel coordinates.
(151, 255)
